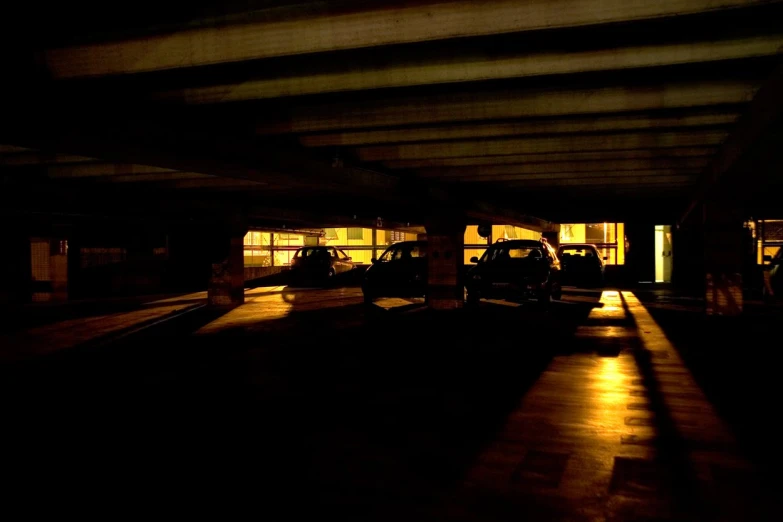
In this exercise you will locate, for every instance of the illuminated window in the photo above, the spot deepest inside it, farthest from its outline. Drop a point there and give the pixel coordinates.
(394, 236)
(355, 233)
(566, 232)
(596, 233)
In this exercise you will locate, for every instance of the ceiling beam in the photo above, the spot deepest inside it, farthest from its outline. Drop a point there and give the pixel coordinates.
(650, 121)
(487, 212)
(545, 169)
(754, 127)
(319, 28)
(102, 170)
(41, 158)
(628, 196)
(674, 180)
(619, 174)
(555, 157)
(212, 183)
(134, 143)
(509, 104)
(625, 141)
(478, 68)
(154, 177)
(13, 149)
(235, 159)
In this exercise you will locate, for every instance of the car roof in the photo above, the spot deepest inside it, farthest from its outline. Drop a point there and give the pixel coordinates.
(406, 243)
(577, 245)
(519, 242)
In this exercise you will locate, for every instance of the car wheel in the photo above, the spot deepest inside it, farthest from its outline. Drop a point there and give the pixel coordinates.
(368, 298)
(544, 298)
(766, 297)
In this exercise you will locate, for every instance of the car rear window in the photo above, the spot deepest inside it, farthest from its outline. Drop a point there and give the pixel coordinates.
(578, 252)
(404, 252)
(513, 252)
(310, 252)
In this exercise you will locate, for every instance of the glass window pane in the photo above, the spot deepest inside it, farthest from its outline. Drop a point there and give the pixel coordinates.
(471, 252)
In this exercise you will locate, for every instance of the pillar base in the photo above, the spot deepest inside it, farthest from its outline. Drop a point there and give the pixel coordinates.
(445, 297)
(445, 260)
(724, 294)
(227, 280)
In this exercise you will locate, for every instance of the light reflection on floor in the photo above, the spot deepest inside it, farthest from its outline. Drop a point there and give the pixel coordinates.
(265, 304)
(66, 334)
(575, 414)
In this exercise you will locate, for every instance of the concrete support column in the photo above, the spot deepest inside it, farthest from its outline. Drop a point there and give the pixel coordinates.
(227, 280)
(552, 236)
(15, 284)
(688, 261)
(445, 244)
(374, 243)
(723, 255)
(59, 268)
(49, 267)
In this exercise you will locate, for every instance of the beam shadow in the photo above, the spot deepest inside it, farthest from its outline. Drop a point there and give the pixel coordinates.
(369, 419)
(675, 474)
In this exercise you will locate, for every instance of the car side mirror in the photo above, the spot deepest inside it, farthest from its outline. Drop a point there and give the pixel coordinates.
(474, 259)
(373, 260)
(767, 259)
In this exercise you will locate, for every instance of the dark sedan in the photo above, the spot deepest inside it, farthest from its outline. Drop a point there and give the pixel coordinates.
(582, 265)
(515, 269)
(320, 263)
(773, 288)
(401, 271)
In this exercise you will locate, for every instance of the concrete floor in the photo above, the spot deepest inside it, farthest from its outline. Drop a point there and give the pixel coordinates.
(304, 403)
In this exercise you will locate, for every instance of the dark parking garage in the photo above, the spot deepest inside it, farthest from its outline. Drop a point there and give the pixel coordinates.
(400, 260)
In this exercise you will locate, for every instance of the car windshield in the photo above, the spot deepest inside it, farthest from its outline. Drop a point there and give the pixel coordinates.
(401, 252)
(500, 252)
(313, 252)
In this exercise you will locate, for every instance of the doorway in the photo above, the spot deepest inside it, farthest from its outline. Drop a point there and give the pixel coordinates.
(663, 254)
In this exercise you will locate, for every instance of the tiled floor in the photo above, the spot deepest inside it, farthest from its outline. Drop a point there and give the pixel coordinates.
(419, 417)
(62, 335)
(621, 432)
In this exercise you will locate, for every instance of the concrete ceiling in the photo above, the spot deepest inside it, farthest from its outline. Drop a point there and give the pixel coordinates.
(566, 110)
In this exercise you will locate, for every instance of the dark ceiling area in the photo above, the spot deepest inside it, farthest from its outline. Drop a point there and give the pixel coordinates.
(498, 110)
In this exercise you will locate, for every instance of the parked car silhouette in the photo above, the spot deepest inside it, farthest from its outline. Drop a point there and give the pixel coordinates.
(515, 269)
(582, 265)
(773, 290)
(319, 263)
(401, 271)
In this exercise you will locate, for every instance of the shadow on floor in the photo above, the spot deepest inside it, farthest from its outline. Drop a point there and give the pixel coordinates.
(675, 476)
(286, 278)
(373, 421)
(731, 359)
